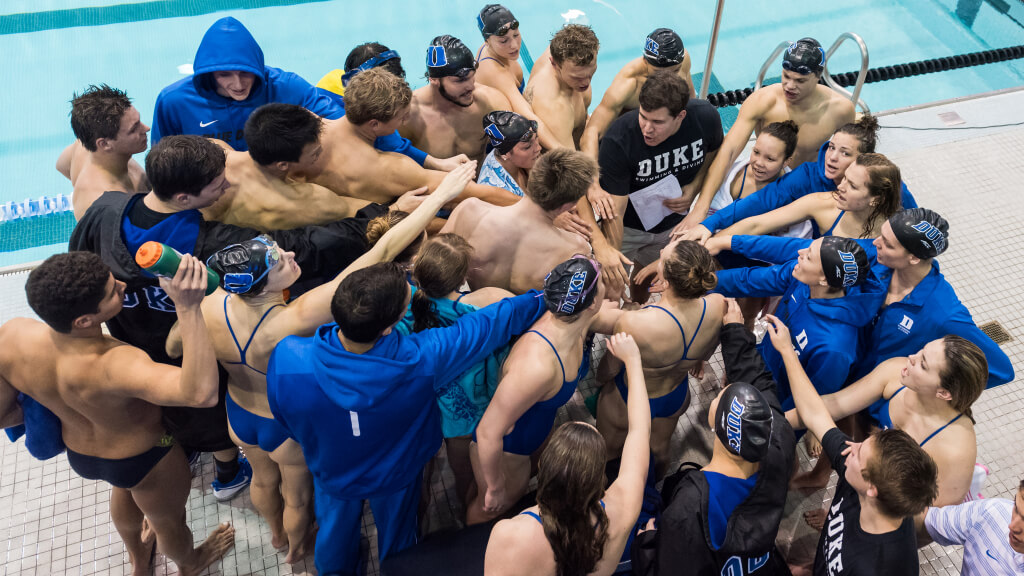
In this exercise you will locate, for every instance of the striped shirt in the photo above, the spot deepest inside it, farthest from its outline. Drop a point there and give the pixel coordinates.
(982, 527)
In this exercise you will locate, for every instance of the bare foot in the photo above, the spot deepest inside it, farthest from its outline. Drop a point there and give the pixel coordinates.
(810, 481)
(279, 540)
(303, 550)
(211, 550)
(143, 565)
(815, 519)
(813, 446)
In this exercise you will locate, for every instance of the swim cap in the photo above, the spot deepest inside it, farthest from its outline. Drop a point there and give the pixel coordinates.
(448, 56)
(244, 267)
(373, 62)
(495, 20)
(663, 48)
(922, 232)
(743, 421)
(506, 129)
(844, 262)
(805, 56)
(570, 287)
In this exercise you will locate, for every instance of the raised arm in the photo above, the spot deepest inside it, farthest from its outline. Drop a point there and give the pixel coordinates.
(504, 84)
(858, 395)
(779, 218)
(559, 118)
(607, 111)
(196, 382)
(808, 404)
(314, 307)
(636, 451)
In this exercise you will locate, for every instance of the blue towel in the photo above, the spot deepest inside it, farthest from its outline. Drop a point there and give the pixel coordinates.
(42, 429)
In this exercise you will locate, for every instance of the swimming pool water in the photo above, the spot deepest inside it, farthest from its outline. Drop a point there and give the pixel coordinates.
(140, 46)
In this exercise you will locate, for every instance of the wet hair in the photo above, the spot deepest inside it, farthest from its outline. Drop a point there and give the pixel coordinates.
(441, 267)
(360, 54)
(883, 183)
(864, 130)
(96, 113)
(570, 485)
(370, 300)
(665, 89)
(574, 43)
(559, 177)
(690, 271)
(376, 94)
(278, 132)
(67, 286)
(904, 474)
(966, 373)
(186, 164)
(379, 226)
(786, 132)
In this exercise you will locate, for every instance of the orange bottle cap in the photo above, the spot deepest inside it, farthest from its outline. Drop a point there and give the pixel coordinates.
(149, 254)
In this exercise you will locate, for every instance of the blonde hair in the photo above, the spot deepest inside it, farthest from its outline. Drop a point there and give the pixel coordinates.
(376, 94)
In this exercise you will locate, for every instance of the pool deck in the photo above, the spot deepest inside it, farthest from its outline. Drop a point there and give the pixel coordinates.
(56, 522)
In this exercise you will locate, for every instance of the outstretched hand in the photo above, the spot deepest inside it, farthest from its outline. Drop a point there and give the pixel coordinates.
(779, 334)
(649, 274)
(411, 200)
(623, 347)
(613, 268)
(571, 222)
(698, 233)
(733, 313)
(449, 164)
(604, 208)
(456, 180)
(188, 286)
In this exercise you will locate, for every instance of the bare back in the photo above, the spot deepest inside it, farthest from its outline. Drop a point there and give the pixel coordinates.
(819, 117)
(662, 343)
(72, 377)
(258, 200)
(511, 252)
(562, 109)
(453, 130)
(90, 181)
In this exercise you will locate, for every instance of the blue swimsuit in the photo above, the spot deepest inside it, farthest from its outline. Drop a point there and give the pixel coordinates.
(519, 86)
(533, 426)
(885, 421)
(250, 428)
(814, 226)
(667, 405)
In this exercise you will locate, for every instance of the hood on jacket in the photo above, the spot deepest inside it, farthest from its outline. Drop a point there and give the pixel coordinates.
(359, 381)
(227, 45)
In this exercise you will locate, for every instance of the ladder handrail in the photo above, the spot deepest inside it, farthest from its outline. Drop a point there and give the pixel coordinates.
(861, 76)
(705, 80)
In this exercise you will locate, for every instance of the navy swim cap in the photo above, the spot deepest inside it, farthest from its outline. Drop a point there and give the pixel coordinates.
(244, 267)
(743, 421)
(663, 48)
(922, 232)
(506, 129)
(448, 56)
(571, 287)
(843, 261)
(495, 20)
(805, 56)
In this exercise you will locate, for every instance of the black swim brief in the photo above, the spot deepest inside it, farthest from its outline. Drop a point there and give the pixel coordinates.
(124, 472)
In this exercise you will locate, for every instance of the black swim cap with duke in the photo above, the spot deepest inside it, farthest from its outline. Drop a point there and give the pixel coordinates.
(506, 129)
(448, 56)
(571, 287)
(493, 18)
(921, 231)
(743, 421)
(663, 48)
(805, 56)
(843, 261)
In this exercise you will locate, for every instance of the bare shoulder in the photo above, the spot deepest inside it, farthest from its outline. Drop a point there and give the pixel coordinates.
(515, 547)
(491, 99)
(486, 296)
(17, 330)
(716, 306)
(467, 210)
(760, 102)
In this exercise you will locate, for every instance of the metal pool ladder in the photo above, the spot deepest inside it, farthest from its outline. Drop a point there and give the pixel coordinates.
(861, 76)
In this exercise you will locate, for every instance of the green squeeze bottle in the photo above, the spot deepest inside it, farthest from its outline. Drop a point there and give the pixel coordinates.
(162, 260)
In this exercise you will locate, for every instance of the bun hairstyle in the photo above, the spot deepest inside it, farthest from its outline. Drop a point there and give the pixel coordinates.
(865, 130)
(441, 267)
(786, 132)
(379, 226)
(690, 270)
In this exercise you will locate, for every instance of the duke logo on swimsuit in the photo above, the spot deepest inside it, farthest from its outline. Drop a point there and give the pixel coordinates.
(734, 424)
(931, 233)
(572, 297)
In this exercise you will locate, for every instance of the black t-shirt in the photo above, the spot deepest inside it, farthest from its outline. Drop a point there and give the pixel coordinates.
(628, 164)
(143, 217)
(846, 550)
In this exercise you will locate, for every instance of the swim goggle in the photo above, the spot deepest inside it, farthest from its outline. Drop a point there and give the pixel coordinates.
(804, 68)
(368, 65)
(506, 28)
(242, 282)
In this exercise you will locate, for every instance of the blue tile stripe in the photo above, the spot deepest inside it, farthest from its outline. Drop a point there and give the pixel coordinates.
(121, 13)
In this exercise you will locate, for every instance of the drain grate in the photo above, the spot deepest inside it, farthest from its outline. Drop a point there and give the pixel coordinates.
(996, 332)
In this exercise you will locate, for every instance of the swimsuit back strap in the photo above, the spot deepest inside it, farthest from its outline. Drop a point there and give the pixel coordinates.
(553, 349)
(533, 515)
(943, 427)
(693, 337)
(889, 399)
(834, 224)
(461, 296)
(257, 327)
(232, 331)
(479, 59)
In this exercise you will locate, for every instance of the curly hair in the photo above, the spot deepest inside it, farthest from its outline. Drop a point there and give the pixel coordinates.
(376, 95)
(66, 286)
(96, 113)
(574, 43)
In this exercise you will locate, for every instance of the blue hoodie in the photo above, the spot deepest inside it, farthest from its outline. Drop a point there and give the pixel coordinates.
(368, 423)
(192, 106)
(805, 179)
(825, 331)
(931, 310)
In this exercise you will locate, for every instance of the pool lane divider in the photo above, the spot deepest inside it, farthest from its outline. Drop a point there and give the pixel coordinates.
(845, 79)
(26, 22)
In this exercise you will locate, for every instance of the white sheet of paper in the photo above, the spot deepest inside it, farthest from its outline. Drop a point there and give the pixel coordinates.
(648, 201)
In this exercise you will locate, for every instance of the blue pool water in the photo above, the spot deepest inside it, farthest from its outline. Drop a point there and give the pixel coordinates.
(142, 46)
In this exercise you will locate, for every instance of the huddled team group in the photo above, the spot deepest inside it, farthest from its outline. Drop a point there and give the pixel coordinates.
(400, 272)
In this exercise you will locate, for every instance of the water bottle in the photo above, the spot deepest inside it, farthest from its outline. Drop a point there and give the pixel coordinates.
(162, 260)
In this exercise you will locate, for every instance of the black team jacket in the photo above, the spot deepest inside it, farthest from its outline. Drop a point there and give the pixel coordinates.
(682, 543)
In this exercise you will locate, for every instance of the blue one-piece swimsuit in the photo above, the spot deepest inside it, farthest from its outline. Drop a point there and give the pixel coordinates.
(669, 404)
(885, 421)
